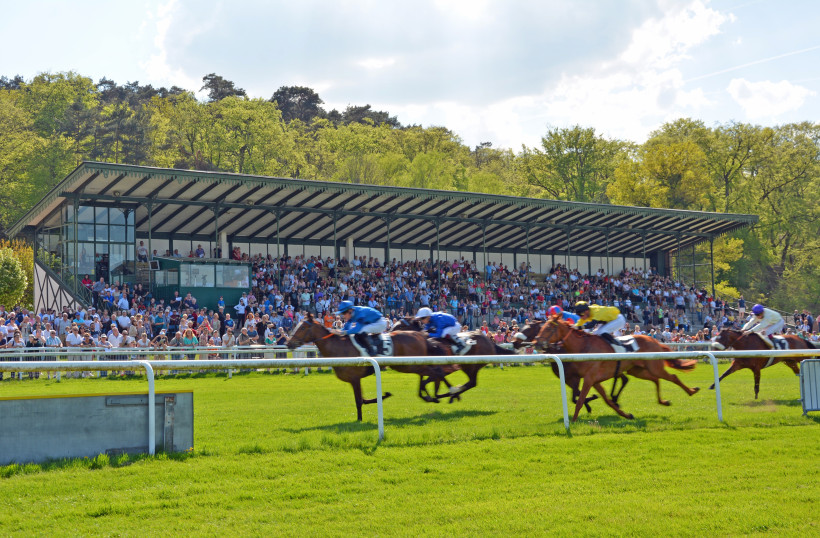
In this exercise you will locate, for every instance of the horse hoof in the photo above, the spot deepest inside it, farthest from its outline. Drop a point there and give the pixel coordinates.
(386, 395)
(630, 416)
(694, 390)
(712, 387)
(666, 403)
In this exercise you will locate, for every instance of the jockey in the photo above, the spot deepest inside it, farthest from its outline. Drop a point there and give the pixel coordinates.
(556, 310)
(764, 322)
(441, 325)
(361, 322)
(609, 317)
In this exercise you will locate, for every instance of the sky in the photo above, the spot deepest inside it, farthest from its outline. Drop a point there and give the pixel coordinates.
(504, 71)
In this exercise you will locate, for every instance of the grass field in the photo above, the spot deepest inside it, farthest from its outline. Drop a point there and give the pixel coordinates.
(283, 455)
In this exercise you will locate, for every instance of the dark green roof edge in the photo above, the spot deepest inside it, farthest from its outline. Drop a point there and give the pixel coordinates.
(250, 180)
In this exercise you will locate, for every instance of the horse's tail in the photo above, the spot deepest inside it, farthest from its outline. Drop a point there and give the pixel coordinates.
(684, 365)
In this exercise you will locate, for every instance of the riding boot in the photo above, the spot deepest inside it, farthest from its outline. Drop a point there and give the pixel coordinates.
(459, 345)
(364, 342)
(610, 339)
(372, 345)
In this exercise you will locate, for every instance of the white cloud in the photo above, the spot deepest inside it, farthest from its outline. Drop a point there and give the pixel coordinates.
(377, 63)
(767, 99)
(157, 67)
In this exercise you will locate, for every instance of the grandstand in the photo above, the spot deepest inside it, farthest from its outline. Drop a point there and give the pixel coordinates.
(101, 216)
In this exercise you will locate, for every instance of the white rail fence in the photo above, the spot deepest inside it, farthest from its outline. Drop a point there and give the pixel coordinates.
(221, 364)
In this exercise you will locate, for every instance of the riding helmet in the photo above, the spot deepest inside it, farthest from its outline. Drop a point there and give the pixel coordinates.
(344, 306)
(757, 309)
(424, 312)
(555, 310)
(581, 307)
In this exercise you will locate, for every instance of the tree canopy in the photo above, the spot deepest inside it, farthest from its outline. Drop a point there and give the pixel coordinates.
(55, 120)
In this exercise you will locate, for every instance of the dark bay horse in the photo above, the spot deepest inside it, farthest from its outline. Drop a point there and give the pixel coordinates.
(332, 345)
(483, 346)
(748, 341)
(594, 372)
(526, 337)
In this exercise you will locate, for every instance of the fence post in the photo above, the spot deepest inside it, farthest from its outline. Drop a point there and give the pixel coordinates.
(714, 362)
(378, 373)
(563, 388)
(152, 434)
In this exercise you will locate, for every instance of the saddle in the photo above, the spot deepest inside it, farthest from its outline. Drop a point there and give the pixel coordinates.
(779, 342)
(371, 345)
(621, 344)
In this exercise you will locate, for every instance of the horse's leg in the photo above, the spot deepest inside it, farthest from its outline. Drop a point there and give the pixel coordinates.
(658, 370)
(733, 368)
(602, 391)
(423, 393)
(615, 395)
(472, 373)
(793, 364)
(756, 374)
(357, 394)
(581, 399)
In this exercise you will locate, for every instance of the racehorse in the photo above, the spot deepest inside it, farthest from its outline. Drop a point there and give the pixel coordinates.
(594, 372)
(483, 346)
(747, 341)
(572, 378)
(332, 345)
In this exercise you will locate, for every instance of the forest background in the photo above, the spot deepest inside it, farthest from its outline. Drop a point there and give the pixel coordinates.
(51, 123)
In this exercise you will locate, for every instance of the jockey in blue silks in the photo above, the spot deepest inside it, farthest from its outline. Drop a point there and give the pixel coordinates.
(361, 322)
(441, 325)
(556, 310)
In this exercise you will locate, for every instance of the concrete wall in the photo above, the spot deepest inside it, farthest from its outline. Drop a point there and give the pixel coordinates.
(45, 428)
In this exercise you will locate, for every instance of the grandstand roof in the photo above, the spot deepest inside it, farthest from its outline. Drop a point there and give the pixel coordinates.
(197, 204)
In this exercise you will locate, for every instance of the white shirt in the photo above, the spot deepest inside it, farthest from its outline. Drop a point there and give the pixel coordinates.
(74, 339)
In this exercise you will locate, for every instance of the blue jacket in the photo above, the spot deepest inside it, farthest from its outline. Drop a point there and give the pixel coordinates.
(569, 316)
(438, 322)
(362, 315)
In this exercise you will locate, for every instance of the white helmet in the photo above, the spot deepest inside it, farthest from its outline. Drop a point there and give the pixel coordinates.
(424, 312)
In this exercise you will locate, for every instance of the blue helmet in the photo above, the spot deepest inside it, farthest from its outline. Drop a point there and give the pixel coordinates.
(344, 306)
(757, 309)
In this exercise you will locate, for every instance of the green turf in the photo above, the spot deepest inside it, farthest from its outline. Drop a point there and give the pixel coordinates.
(283, 455)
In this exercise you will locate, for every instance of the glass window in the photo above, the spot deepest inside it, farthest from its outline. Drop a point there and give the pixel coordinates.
(166, 278)
(85, 232)
(101, 232)
(117, 234)
(101, 215)
(116, 215)
(85, 214)
(129, 234)
(68, 213)
(232, 276)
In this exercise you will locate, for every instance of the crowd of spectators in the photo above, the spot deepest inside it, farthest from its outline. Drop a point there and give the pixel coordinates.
(495, 299)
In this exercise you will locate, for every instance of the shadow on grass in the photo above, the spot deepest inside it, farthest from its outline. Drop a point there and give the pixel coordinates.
(100, 461)
(356, 426)
(764, 403)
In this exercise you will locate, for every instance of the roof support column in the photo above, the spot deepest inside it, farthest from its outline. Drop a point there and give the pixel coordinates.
(607, 253)
(278, 252)
(216, 252)
(76, 208)
(677, 255)
(150, 246)
(569, 250)
(643, 241)
(712, 262)
(335, 255)
(484, 242)
(528, 249)
(438, 255)
(387, 248)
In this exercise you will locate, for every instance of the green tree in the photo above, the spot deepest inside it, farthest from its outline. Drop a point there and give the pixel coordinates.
(298, 103)
(219, 88)
(13, 279)
(572, 164)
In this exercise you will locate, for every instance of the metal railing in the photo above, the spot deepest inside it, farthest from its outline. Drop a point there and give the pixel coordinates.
(151, 366)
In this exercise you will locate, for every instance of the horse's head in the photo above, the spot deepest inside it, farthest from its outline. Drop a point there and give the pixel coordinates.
(527, 333)
(307, 331)
(726, 339)
(553, 331)
(406, 324)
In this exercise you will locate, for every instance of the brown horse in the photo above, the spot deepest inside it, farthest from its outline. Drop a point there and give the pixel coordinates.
(332, 345)
(483, 346)
(572, 378)
(594, 372)
(747, 341)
